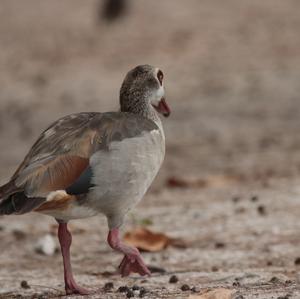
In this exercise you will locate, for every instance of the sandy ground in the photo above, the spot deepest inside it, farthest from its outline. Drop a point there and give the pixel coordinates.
(232, 73)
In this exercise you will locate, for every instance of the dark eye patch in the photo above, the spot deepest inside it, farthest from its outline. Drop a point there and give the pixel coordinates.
(160, 76)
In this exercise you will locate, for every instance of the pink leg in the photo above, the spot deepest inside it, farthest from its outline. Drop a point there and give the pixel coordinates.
(65, 240)
(132, 261)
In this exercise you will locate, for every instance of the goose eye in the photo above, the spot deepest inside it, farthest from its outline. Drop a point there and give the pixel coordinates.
(160, 76)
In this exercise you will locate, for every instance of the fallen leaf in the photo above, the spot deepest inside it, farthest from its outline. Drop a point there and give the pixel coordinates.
(214, 294)
(146, 240)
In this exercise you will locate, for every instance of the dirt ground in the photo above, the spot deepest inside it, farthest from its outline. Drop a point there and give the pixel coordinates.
(232, 72)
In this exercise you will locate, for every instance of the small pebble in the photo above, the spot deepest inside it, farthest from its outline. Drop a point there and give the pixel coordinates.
(25, 285)
(236, 284)
(130, 294)
(135, 288)
(239, 297)
(185, 287)
(262, 210)
(269, 263)
(108, 286)
(274, 279)
(214, 269)
(173, 279)
(123, 289)
(194, 289)
(254, 198)
(297, 261)
(284, 297)
(219, 245)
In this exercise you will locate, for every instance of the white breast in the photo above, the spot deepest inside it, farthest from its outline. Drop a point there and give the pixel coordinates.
(123, 174)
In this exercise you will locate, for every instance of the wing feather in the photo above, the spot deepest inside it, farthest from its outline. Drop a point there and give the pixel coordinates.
(62, 152)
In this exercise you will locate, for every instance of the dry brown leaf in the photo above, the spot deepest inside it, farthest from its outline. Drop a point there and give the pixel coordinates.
(146, 240)
(214, 294)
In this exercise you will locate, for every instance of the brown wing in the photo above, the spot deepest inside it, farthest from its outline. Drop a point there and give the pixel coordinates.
(70, 135)
(54, 173)
(58, 157)
(62, 152)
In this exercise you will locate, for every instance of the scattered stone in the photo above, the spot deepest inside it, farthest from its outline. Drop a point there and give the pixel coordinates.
(130, 294)
(24, 284)
(219, 245)
(173, 279)
(123, 289)
(185, 287)
(194, 289)
(112, 10)
(274, 280)
(135, 287)
(297, 261)
(262, 210)
(214, 269)
(284, 297)
(108, 286)
(288, 281)
(144, 281)
(236, 284)
(46, 245)
(254, 198)
(269, 263)
(239, 297)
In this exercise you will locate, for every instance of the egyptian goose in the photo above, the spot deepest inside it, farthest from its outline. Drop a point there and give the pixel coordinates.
(90, 163)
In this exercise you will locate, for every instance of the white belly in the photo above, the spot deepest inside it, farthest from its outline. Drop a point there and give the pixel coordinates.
(123, 174)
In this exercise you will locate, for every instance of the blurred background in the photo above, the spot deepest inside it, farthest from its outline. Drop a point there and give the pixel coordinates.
(232, 72)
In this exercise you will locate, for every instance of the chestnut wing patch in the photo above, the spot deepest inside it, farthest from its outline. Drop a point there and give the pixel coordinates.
(61, 154)
(49, 174)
